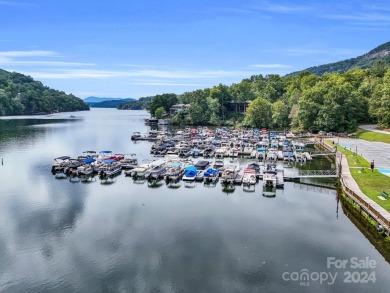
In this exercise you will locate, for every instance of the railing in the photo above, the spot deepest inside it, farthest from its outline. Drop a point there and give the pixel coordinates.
(317, 154)
(317, 173)
(371, 211)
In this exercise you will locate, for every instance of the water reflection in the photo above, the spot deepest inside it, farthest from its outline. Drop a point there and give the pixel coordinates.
(173, 237)
(155, 184)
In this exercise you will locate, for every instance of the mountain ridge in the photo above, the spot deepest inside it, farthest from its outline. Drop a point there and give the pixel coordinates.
(367, 60)
(94, 99)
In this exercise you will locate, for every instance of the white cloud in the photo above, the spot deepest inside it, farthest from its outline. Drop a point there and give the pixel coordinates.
(266, 6)
(285, 9)
(143, 73)
(32, 53)
(9, 61)
(365, 17)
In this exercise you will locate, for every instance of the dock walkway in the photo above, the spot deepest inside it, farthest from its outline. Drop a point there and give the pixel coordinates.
(353, 191)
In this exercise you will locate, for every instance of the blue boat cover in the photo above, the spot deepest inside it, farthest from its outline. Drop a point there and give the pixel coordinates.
(191, 171)
(191, 168)
(261, 149)
(109, 161)
(89, 160)
(210, 172)
(106, 152)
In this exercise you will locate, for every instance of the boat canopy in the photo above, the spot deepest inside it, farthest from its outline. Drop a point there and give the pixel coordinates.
(191, 171)
(261, 149)
(191, 168)
(110, 161)
(202, 164)
(89, 160)
(105, 152)
(62, 158)
(210, 172)
(175, 164)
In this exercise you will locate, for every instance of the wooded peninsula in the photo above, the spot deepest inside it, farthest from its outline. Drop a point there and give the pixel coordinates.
(22, 95)
(304, 102)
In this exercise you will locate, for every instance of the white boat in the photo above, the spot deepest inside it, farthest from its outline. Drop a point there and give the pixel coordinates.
(60, 164)
(156, 170)
(87, 168)
(129, 161)
(174, 170)
(272, 154)
(229, 174)
(249, 176)
(110, 168)
(220, 165)
(269, 177)
(140, 171)
(190, 173)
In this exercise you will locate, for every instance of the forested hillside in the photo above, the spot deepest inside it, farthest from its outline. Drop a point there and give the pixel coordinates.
(109, 104)
(380, 53)
(140, 104)
(22, 95)
(304, 102)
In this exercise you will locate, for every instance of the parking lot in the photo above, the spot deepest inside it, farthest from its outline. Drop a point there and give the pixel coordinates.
(377, 151)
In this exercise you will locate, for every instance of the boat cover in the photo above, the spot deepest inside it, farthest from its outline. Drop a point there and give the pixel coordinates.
(89, 160)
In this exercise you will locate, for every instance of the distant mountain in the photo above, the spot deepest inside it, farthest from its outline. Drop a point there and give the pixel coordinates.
(97, 102)
(140, 104)
(110, 103)
(380, 53)
(93, 99)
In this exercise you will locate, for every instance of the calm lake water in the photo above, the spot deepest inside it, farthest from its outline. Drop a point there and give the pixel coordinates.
(71, 236)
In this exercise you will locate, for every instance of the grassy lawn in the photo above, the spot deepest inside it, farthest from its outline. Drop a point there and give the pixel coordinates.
(372, 136)
(371, 183)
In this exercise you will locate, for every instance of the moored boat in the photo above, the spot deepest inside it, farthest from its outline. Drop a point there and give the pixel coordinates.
(229, 174)
(110, 168)
(249, 176)
(190, 173)
(158, 167)
(60, 164)
(211, 174)
(269, 176)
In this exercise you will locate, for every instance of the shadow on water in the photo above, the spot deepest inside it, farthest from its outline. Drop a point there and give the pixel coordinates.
(366, 228)
(24, 130)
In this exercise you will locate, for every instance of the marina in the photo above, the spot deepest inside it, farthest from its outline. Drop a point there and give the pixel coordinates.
(167, 230)
(188, 154)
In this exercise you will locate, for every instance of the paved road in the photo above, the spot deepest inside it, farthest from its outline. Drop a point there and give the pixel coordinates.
(371, 127)
(370, 150)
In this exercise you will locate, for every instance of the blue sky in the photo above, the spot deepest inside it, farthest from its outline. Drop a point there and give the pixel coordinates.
(134, 48)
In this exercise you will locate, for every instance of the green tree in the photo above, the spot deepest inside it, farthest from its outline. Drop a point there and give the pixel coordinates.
(199, 111)
(259, 113)
(280, 114)
(159, 113)
(165, 100)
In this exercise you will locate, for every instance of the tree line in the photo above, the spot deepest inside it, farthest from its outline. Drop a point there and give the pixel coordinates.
(22, 95)
(304, 102)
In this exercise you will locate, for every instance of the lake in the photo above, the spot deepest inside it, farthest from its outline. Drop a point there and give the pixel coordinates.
(66, 235)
